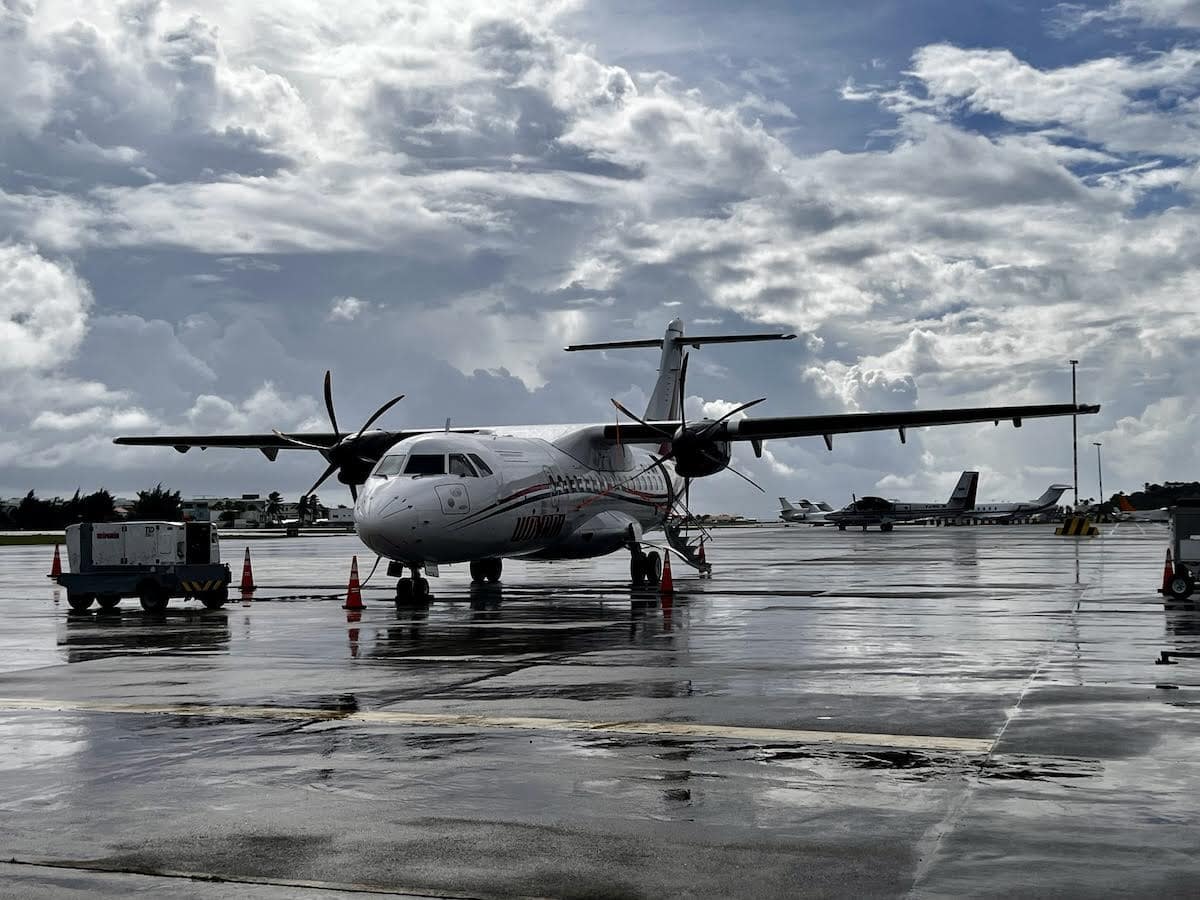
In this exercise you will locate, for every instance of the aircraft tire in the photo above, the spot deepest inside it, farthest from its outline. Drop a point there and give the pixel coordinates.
(478, 570)
(493, 570)
(653, 567)
(637, 568)
(404, 591)
(1180, 586)
(421, 587)
(886, 526)
(841, 528)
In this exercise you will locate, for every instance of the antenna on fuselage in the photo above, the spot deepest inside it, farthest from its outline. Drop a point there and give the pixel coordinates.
(664, 402)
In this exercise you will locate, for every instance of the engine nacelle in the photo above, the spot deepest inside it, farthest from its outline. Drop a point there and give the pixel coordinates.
(696, 457)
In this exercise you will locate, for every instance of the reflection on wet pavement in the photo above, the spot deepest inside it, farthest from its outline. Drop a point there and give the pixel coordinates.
(941, 712)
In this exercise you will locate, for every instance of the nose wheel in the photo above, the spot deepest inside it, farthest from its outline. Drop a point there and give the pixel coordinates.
(412, 590)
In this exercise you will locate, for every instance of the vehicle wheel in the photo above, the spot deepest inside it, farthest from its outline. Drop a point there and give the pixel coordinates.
(1180, 586)
(79, 602)
(637, 568)
(653, 567)
(214, 599)
(152, 597)
(886, 526)
(494, 568)
(478, 567)
(841, 528)
(108, 601)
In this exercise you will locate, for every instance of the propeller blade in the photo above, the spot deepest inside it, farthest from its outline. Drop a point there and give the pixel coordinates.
(683, 391)
(329, 401)
(746, 478)
(379, 412)
(333, 467)
(298, 443)
(638, 419)
(353, 492)
(733, 412)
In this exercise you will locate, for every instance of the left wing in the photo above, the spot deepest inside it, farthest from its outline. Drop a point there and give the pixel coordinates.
(765, 428)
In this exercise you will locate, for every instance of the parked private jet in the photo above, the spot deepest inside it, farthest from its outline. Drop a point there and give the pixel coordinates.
(886, 513)
(804, 511)
(1006, 512)
(431, 496)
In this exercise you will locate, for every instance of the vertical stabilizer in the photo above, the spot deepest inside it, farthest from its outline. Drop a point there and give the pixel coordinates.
(664, 398)
(964, 492)
(783, 504)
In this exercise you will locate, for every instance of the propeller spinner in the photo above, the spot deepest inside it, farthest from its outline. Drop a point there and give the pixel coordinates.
(346, 456)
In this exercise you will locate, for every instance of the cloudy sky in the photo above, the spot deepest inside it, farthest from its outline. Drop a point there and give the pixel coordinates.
(204, 205)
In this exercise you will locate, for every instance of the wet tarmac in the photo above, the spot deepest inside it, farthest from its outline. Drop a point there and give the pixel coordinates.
(932, 712)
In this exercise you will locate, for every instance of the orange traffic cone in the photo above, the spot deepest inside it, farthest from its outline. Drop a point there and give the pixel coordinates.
(667, 585)
(56, 566)
(353, 594)
(247, 575)
(1168, 574)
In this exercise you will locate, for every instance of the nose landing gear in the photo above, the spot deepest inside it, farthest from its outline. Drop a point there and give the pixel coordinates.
(412, 590)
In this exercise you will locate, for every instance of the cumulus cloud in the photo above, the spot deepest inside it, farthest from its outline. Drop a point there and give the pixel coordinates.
(345, 309)
(43, 309)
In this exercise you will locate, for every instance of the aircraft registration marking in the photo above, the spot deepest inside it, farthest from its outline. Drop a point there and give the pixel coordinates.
(530, 527)
(527, 723)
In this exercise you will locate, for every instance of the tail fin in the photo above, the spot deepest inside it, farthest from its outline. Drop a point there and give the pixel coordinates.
(664, 399)
(964, 492)
(783, 504)
(1050, 497)
(1125, 505)
(824, 506)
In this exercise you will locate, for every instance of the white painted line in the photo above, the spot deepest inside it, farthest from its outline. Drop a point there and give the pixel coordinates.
(524, 723)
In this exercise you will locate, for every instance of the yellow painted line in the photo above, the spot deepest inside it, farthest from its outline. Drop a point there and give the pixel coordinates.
(525, 723)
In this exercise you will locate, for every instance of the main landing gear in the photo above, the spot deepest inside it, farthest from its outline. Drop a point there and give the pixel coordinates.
(486, 570)
(644, 567)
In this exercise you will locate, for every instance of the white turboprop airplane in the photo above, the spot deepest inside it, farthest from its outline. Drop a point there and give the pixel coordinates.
(886, 513)
(1003, 512)
(431, 496)
(805, 511)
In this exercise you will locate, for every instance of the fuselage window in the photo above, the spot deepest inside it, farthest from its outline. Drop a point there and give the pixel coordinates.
(391, 465)
(483, 467)
(426, 464)
(460, 466)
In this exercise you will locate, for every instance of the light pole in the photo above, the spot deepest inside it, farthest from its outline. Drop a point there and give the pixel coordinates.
(1074, 435)
(1099, 470)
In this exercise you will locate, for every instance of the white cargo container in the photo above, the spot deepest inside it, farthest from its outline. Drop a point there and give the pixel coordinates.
(140, 544)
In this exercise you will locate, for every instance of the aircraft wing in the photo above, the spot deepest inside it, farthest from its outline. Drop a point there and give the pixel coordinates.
(271, 444)
(773, 427)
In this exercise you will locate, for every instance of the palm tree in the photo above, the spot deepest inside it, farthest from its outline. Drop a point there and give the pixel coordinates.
(274, 500)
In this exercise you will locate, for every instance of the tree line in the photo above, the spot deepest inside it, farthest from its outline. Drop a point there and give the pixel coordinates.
(36, 514)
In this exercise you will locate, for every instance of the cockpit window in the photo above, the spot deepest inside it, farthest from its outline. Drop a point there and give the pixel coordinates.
(460, 466)
(426, 464)
(390, 465)
(483, 467)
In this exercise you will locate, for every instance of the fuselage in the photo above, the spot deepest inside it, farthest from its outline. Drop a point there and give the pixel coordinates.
(447, 497)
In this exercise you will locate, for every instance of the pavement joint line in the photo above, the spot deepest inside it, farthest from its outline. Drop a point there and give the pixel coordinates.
(216, 878)
(526, 723)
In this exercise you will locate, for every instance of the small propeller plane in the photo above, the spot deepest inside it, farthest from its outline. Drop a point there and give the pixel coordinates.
(430, 496)
(886, 513)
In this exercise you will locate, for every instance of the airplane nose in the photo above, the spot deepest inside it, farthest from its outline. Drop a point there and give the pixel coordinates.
(386, 519)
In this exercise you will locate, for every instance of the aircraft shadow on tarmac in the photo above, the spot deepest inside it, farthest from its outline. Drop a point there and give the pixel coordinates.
(105, 634)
